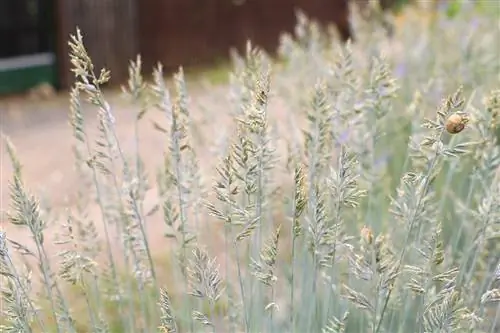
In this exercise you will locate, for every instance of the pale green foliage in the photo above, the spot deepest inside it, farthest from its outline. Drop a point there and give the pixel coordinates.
(375, 218)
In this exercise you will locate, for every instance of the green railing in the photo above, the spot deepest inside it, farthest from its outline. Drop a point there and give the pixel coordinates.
(24, 72)
(27, 58)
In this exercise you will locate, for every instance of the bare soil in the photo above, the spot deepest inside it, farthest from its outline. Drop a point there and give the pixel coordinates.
(42, 136)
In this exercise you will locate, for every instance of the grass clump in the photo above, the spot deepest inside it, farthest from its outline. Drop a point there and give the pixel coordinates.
(372, 205)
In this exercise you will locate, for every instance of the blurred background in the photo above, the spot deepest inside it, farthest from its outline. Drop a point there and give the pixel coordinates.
(192, 33)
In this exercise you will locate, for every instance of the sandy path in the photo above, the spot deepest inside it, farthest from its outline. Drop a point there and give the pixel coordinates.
(42, 137)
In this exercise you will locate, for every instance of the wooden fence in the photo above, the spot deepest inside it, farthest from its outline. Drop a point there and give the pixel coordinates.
(180, 32)
(109, 29)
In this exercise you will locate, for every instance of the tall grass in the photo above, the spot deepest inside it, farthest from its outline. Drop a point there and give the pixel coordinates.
(371, 206)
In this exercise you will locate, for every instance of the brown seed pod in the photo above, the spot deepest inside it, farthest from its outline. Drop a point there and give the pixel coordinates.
(367, 234)
(456, 123)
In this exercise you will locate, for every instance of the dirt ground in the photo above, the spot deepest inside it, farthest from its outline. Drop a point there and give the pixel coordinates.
(43, 140)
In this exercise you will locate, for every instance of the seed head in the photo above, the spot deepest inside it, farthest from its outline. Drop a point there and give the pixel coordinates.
(456, 123)
(367, 234)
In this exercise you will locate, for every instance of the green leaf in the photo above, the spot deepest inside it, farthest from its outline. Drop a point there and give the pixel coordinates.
(453, 8)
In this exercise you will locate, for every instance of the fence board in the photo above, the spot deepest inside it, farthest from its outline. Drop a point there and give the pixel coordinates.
(109, 30)
(181, 32)
(193, 32)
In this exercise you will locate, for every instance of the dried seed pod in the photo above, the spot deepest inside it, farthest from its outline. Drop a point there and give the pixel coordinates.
(367, 234)
(456, 123)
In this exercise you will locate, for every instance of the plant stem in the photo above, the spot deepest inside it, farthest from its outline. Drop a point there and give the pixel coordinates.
(425, 186)
(242, 289)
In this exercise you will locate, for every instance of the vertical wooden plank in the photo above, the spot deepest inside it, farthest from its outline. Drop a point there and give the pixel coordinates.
(192, 32)
(109, 29)
(181, 32)
(61, 40)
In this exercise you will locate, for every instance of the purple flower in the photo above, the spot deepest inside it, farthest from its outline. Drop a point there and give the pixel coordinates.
(343, 137)
(381, 162)
(401, 70)
(474, 23)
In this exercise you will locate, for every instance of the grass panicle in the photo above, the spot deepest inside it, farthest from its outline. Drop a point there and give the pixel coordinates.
(352, 187)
